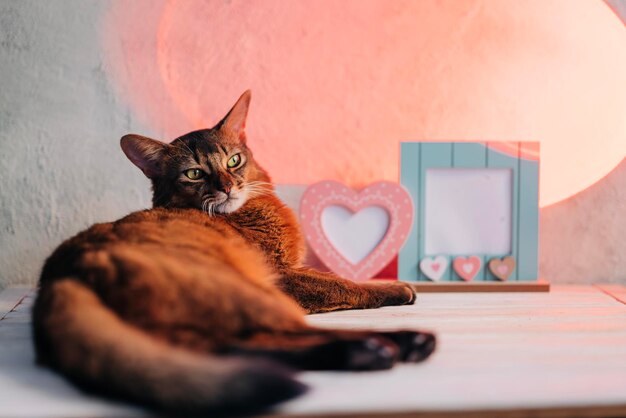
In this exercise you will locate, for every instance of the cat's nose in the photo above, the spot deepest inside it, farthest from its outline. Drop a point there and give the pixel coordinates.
(224, 183)
(226, 188)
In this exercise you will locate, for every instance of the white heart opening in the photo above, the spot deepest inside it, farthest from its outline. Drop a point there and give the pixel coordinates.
(355, 235)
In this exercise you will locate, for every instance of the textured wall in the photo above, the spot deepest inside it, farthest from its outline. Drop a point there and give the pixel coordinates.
(76, 75)
(583, 239)
(60, 166)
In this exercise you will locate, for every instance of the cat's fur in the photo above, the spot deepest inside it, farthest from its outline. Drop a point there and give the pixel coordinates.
(198, 304)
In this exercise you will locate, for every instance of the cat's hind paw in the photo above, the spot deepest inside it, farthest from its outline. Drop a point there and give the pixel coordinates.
(371, 353)
(414, 346)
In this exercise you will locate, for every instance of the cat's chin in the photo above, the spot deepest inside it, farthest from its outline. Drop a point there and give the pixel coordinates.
(229, 206)
(232, 203)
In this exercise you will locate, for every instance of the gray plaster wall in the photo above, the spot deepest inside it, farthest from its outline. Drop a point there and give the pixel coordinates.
(61, 168)
(619, 7)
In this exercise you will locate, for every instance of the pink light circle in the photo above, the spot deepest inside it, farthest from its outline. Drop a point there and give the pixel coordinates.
(336, 85)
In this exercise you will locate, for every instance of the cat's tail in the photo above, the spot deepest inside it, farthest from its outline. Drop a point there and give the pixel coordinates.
(87, 342)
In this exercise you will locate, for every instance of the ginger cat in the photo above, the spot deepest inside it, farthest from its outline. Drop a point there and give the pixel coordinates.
(198, 305)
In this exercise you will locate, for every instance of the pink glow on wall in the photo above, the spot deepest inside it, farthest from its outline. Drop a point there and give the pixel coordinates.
(336, 85)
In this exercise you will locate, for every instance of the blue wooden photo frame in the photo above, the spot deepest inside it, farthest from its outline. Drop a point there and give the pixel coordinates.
(417, 158)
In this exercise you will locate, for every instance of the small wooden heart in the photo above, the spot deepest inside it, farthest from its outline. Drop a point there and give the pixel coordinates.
(356, 234)
(502, 268)
(434, 267)
(467, 268)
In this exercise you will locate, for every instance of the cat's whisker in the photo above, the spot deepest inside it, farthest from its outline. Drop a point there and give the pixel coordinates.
(258, 192)
(259, 183)
(208, 207)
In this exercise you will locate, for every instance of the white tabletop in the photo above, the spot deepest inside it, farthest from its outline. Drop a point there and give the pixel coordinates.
(502, 352)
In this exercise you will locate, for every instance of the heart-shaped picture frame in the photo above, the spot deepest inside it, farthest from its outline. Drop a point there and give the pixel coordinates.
(356, 234)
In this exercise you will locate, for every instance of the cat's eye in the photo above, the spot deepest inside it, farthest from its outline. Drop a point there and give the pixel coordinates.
(194, 174)
(234, 161)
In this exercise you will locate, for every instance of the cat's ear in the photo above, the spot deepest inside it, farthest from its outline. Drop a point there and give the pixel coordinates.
(145, 153)
(235, 120)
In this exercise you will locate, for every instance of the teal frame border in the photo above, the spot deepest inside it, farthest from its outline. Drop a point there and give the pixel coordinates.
(417, 157)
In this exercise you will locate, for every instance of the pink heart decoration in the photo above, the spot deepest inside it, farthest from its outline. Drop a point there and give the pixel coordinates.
(353, 224)
(434, 267)
(467, 268)
(502, 268)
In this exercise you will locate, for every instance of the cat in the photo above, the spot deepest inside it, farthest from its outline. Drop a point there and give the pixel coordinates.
(198, 304)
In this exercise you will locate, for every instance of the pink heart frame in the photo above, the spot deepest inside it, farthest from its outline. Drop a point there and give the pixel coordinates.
(390, 196)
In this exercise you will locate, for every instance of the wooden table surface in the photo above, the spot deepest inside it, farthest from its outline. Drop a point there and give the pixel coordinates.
(555, 354)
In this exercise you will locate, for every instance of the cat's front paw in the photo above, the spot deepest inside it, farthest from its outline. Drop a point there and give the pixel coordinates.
(410, 291)
(400, 293)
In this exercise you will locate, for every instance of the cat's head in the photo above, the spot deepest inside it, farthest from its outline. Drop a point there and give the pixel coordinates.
(210, 169)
